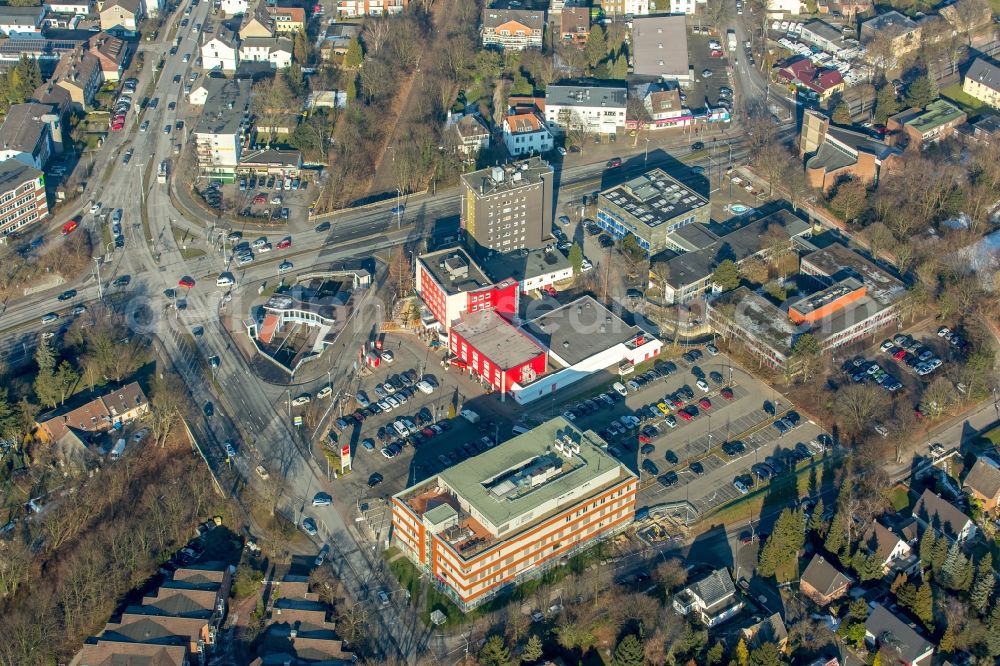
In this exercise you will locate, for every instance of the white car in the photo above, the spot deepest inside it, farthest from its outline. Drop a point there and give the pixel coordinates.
(324, 392)
(384, 405)
(586, 266)
(569, 416)
(230, 451)
(284, 267)
(387, 356)
(703, 385)
(425, 387)
(266, 247)
(303, 399)
(743, 490)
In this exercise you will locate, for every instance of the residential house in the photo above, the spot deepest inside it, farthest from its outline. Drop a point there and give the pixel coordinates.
(78, 77)
(689, 7)
(111, 53)
(473, 134)
(526, 134)
(922, 127)
(659, 47)
(982, 81)
(78, 7)
(101, 414)
(886, 631)
(590, 106)
(890, 548)
(513, 29)
(823, 582)
(298, 630)
(122, 17)
(177, 626)
(621, 8)
(22, 190)
(931, 510)
(277, 51)
(222, 132)
(288, 20)
(712, 598)
(890, 35)
(985, 130)
(804, 74)
(833, 153)
(234, 7)
(257, 22)
(220, 49)
(574, 25)
(370, 7)
(665, 107)
(769, 630)
(983, 482)
(30, 133)
(338, 39)
(15, 20)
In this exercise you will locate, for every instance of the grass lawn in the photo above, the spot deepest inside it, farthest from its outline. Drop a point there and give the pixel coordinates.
(955, 93)
(993, 435)
(899, 498)
(787, 572)
(995, 6)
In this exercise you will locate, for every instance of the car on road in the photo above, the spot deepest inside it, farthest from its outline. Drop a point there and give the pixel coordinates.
(374, 479)
(697, 145)
(284, 243)
(144, 126)
(66, 295)
(614, 163)
(321, 557)
(187, 282)
(383, 598)
(230, 450)
(209, 409)
(49, 318)
(387, 357)
(213, 361)
(322, 499)
(303, 399)
(561, 150)
(322, 226)
(309, 527)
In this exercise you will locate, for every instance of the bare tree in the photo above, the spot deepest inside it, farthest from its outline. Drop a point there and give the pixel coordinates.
(374, 36)
(859, 407)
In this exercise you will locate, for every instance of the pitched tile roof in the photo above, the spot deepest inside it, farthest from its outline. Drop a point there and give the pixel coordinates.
(714, 588)
(471, 125)
(113, 653)
(985, 72)
(823, 576)
(984, 478)
(880, 540)
(940, 513)
(523, 123)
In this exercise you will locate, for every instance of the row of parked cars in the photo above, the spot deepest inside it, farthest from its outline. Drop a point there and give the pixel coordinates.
(912, 353)
(781, 462)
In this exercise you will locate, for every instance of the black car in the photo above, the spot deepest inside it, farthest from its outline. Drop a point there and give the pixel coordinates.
(668, 479)
(672, 457)
(650, 467)
(647, 449)
(697, 145)
(209, 409)
(697, 468)
(322, 226)
(606, 241)
(715, 377)
(66, 295)
(122, 281)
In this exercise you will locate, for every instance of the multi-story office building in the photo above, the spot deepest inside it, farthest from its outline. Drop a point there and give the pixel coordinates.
(222, 131)
(22, 195)
(450, 284)
(652, 207)
(514, 511)
(508, 207)
(589, 106)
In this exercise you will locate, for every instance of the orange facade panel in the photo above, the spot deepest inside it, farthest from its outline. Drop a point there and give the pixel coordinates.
(827, 309)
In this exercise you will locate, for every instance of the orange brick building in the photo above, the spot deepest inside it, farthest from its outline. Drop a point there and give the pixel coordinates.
(513, 512)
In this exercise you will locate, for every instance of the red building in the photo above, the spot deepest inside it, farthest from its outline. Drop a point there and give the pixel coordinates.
(496, 351)
(450, 284)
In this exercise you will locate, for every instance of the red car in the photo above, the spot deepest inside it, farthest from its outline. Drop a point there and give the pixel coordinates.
(644, 439)
(550, 290)
(285, 242)
(900, 355)
(705, 404)
(614, 162)
(684, 415)
(427, 432)
(726, 393)
(69, 227)
(717, 54)
(186, 282)
(260, 199)
(677, 402)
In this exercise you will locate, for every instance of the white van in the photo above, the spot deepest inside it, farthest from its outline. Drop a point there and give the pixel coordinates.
(118, 449)
(225, 280)
(620, 389)
(424, 387)
(400, 428)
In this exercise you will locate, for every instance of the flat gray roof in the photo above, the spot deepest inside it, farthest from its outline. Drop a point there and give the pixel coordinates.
(454, 269)
(14, 173)
(524, 264)
(578, 330)
(588, 93)
(758, 316)
(495, 338)
(823, 29)
(837, 262)
(507, 178)
(475, 479)
(654, 198)
(812, 302)
(659, 46)
(225, 108)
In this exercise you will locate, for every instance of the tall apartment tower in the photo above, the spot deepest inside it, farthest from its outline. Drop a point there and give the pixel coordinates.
(509, 207)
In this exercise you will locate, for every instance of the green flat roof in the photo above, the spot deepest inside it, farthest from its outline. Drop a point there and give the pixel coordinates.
(938, 112)
(475, 480)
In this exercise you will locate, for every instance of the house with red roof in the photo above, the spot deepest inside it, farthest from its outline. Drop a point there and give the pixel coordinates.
(803, 73)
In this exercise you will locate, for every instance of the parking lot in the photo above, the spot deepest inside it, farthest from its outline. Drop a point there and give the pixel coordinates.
(704, 92)
(266, 198)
